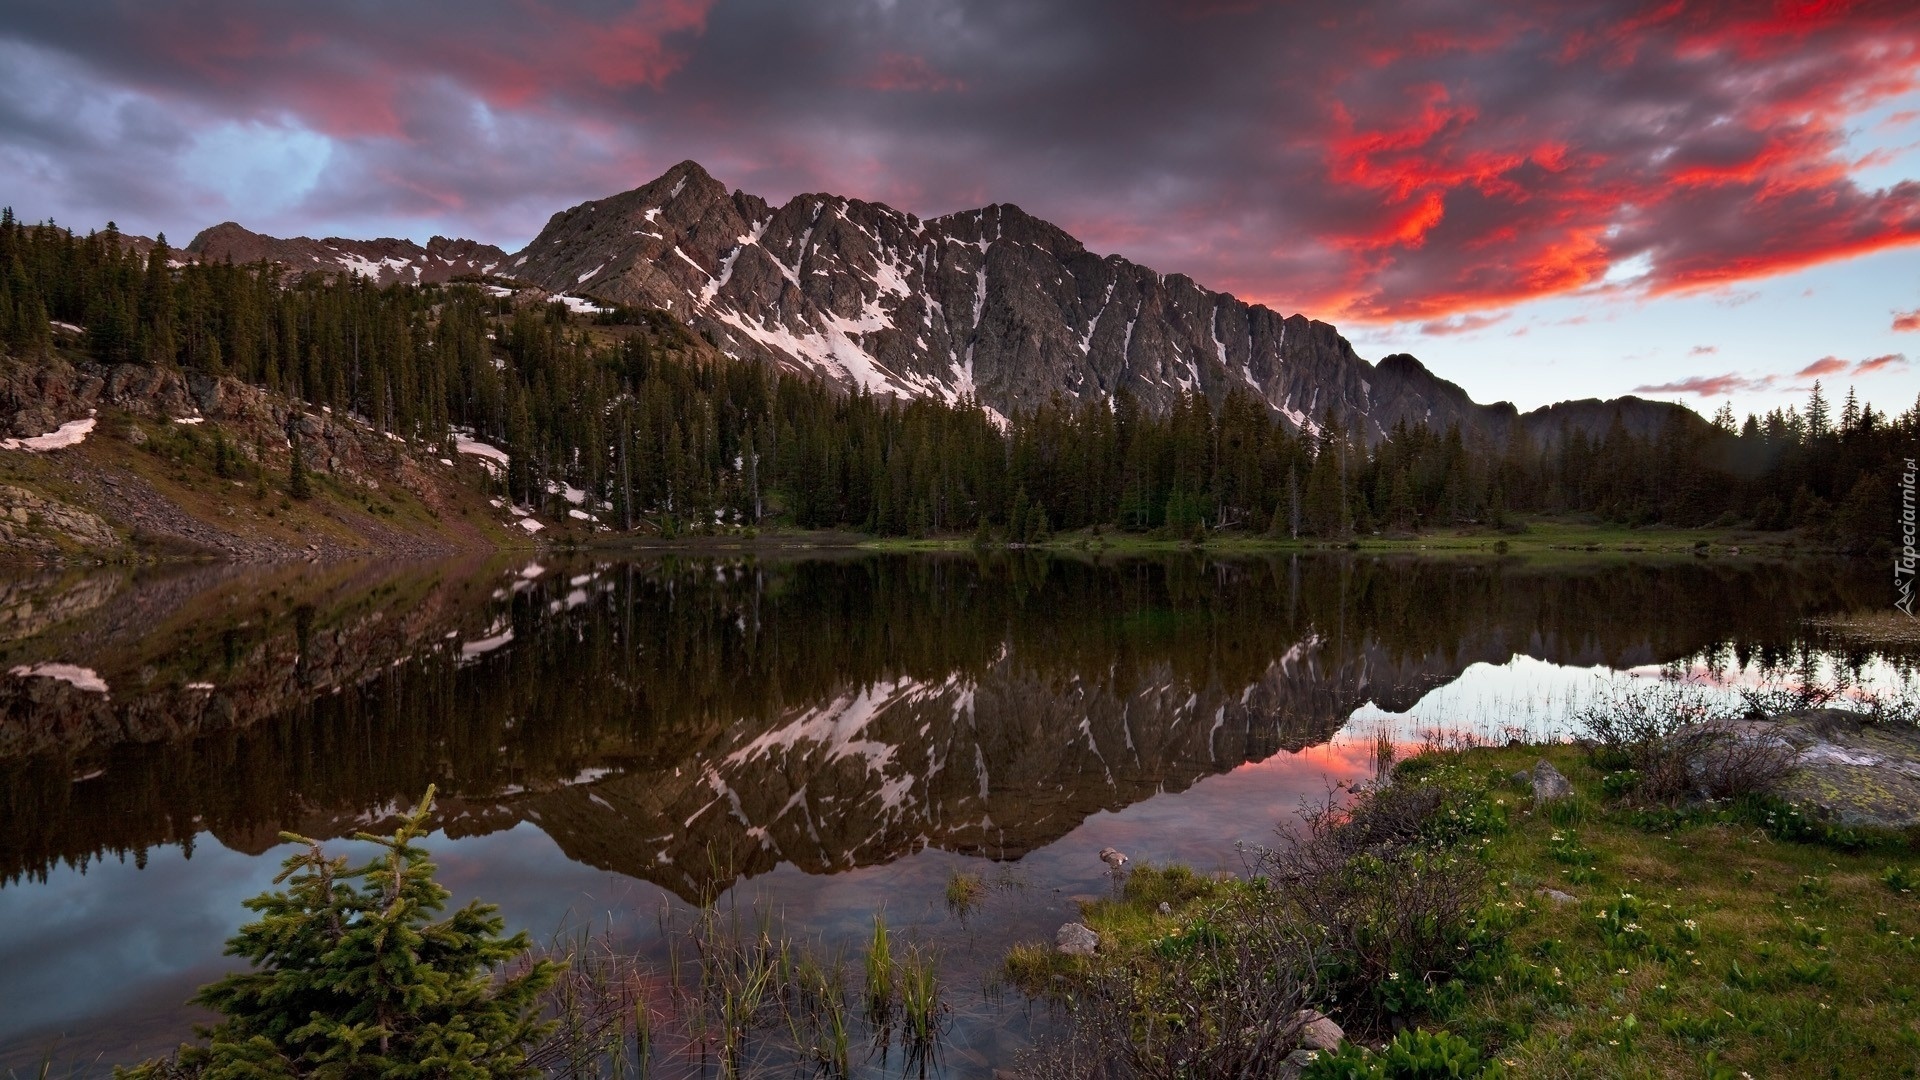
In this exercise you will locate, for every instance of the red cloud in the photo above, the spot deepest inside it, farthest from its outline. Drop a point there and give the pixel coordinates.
(1826, 365)
(1707, 386)
(1703, 350)
(1728, 161)
(1363, 160)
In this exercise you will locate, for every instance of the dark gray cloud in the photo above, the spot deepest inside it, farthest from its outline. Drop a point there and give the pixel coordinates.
(1389, 160)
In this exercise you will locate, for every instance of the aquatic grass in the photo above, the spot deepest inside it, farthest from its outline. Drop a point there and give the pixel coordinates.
(165, 1070)
(881, 972)
(965, 891)
(920, 1007)
(736, 997)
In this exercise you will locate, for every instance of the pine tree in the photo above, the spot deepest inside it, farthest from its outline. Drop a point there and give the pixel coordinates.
(353, 977)
(222, 455)
(298, 486)
(1818, 418)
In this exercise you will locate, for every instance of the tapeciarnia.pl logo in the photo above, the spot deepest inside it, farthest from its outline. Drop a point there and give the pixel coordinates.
(1903, 563)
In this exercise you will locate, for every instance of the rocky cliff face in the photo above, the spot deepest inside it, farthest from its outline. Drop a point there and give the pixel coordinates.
(385, 261)
(991, 304)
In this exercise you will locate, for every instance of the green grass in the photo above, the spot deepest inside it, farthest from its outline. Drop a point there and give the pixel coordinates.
(1543, 535)
(1719, 941)
(1695, 935)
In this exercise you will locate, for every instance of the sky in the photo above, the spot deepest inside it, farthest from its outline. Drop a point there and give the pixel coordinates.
(1543, 199)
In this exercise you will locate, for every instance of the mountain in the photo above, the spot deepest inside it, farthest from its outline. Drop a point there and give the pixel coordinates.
(992, 304)
(385, 261)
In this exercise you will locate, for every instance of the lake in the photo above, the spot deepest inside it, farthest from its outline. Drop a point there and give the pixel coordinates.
(820, 737)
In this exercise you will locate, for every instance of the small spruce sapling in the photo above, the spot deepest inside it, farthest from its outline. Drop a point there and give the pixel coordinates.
(354, 977)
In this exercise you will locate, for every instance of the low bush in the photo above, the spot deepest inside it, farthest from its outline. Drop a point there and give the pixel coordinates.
(1383, 885)
(1221, 996)
(1666, 742)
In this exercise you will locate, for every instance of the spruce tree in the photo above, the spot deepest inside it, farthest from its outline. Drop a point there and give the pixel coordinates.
(353, 977)
(298, 486)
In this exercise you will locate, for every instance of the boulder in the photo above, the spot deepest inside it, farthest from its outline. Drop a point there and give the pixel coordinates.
(1548, 783)
(1074, 939)
(1318, 1031)
(1557, 896)
(1849, 772)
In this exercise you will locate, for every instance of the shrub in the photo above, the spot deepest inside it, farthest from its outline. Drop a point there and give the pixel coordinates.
(1667, 741)
(352, 978)
(1381, 885)
(1207, 1004)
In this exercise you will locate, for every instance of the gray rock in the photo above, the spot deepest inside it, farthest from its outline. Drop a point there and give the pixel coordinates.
(1074, 939)
(1548, 783)
(1318, 1031)
(1296, 1064)
(1557, 896)
(1521, 778)
(1848, 772)
(1166, 908)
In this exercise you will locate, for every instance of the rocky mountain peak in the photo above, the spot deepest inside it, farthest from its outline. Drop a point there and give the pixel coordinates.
(385, 261)
(991, 305)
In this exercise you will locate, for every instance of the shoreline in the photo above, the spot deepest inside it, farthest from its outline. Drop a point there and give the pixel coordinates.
(1585, 923)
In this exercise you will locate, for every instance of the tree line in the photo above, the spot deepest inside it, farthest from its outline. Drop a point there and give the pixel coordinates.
(663, 433)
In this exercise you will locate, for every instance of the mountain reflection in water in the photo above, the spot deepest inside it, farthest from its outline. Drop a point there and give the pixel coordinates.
(695, 722)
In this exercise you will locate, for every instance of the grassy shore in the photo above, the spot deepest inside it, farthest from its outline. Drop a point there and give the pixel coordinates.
(1720, 940)
(1539, 536)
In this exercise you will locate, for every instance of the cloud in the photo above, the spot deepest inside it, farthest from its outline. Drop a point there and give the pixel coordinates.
(1826, 365)
(1708, 386)
(1833, 365)
(1462, 324)
(1906, 320)
(1703, 350)
(1366, 161)
(905, 72)
(1877, 364)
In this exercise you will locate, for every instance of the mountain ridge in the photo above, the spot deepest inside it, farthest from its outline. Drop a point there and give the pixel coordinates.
(991, 305)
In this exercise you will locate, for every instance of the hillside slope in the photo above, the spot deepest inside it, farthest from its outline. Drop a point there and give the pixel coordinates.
(143, 461)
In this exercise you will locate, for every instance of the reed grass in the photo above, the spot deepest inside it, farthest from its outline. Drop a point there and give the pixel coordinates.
(737, 996)
(881, 971)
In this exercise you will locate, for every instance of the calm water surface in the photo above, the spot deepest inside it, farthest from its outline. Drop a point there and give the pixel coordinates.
(822, 739)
